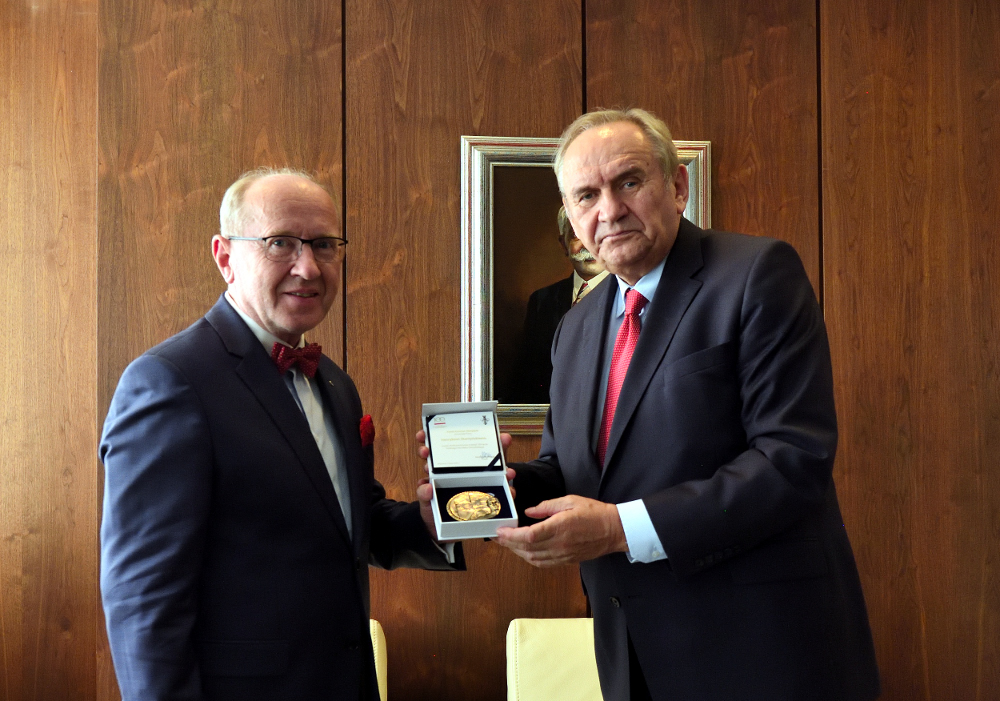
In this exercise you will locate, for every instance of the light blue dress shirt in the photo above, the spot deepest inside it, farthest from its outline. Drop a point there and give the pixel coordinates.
(643, 543)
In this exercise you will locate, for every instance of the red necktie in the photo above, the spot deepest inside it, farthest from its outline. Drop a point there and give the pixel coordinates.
(581, 293)
(307, 357)
(628, 336)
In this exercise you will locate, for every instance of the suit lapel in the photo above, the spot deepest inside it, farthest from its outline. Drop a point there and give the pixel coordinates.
(592, 336)
(674, 294)
(261, 377)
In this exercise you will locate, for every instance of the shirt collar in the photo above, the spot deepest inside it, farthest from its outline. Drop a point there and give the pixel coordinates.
(266, 338)
(646, 286)
(591, 283)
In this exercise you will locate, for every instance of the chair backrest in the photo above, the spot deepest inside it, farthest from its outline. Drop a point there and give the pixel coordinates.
(378, 646)
(549, 659)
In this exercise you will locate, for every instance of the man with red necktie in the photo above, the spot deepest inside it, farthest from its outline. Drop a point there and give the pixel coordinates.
(241, 510)
(686, 462)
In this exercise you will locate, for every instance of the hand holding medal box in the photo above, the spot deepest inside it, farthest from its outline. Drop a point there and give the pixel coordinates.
(467, 470)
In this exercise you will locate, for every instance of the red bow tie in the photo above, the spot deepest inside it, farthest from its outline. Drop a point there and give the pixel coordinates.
(306, 357)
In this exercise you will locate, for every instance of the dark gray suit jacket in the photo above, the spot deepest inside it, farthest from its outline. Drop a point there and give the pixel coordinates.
(227, 571)
(726, 429)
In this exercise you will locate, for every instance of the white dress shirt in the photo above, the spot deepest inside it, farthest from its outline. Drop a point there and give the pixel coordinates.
(579, 282)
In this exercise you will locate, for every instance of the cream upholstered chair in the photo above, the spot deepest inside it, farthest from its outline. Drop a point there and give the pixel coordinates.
(549, 659)
(378, 646)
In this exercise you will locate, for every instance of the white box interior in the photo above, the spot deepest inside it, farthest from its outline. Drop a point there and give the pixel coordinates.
(483, 528)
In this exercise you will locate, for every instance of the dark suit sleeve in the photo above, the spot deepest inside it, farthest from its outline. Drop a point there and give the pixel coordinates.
(538, 480)
(157, 456)
(785, 386)
(400, 537)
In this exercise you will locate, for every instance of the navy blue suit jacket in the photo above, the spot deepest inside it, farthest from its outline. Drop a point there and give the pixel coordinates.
(227, 571)
(726, 429)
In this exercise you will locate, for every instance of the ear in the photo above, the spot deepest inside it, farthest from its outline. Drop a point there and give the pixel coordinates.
(220, 251)
(681, 188)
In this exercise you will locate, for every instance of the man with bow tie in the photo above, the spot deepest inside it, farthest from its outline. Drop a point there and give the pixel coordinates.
(240, 508)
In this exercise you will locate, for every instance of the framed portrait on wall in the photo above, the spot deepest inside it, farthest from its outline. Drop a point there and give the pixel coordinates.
(511, 248)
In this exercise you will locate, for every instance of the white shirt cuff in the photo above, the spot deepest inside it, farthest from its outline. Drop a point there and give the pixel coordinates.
(448, 549)
(643, 543)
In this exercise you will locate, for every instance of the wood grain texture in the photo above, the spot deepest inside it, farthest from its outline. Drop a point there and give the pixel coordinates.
(191, 95)
(911, 91)
(418, 76)
(48, 505)
(739, 73)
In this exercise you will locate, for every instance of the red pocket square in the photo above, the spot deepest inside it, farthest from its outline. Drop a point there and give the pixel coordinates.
(367, 429)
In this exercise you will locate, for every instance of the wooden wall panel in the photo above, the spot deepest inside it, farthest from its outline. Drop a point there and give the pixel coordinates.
(191, 95)
(911, 204)
(419, 74)
(739, 73)
(48, 467)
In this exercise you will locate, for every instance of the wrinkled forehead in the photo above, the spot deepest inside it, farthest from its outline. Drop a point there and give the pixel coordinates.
(606, 151)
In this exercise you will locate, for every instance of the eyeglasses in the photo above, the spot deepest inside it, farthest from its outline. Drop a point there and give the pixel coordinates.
(285, 249)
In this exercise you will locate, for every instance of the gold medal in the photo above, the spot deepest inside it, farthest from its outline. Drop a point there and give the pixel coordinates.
(473, 506)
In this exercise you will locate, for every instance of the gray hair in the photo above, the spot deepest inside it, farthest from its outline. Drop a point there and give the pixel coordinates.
(652, 127)
(233, 215)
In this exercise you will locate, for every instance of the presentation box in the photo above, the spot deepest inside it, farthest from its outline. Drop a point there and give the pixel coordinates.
(467, 470)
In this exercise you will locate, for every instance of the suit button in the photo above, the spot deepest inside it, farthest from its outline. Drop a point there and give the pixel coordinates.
(353, 646)
(616, 602)
(699, 563)
(729, 552)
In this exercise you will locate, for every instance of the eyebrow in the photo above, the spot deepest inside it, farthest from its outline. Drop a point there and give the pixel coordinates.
(632, 172)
